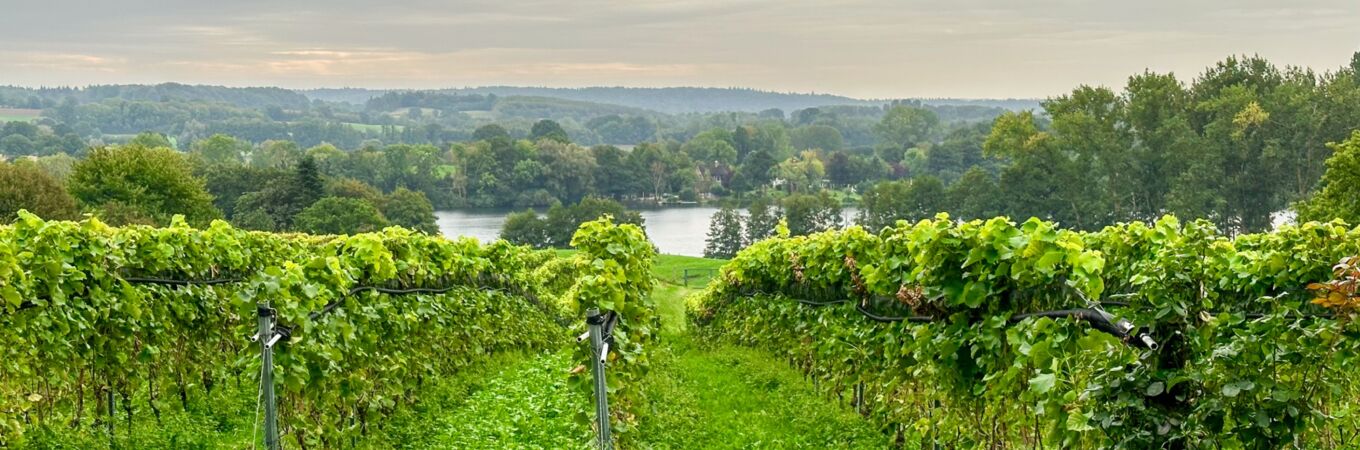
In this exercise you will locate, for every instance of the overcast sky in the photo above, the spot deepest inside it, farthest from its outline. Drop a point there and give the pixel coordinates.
(868, 48)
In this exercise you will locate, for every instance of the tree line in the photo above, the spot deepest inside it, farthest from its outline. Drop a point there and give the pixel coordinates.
(145, 182)
(1244, 144)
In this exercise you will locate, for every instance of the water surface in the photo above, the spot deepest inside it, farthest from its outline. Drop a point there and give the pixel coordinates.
(676, 230)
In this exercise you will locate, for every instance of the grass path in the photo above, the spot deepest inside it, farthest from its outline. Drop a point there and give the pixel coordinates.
(527, 405)
(722, 396)
(696, 397)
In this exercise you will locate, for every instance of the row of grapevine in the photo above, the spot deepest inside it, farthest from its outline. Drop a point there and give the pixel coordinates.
(1245, 359)
(79, 333)
(615, 274)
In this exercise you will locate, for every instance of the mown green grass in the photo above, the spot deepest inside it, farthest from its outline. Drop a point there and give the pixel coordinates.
(671, 269)
(526, 404)
(727, 397)
(723, 396)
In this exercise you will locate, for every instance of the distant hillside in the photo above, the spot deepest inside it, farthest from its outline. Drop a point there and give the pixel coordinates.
(249, 97)
(673, 100)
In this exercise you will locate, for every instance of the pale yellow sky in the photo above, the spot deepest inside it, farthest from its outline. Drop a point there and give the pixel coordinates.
(868, 48)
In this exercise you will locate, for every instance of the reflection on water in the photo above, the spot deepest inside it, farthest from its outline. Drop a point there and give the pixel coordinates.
(674, 230)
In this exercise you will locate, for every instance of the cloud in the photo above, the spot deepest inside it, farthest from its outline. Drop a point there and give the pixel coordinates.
(872, 48)
(60, 61)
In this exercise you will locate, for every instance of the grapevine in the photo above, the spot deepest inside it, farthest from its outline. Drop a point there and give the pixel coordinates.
(372, 316)
(1246, 359)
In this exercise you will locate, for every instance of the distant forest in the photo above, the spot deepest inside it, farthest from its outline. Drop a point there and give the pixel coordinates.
(678, 100)
(350, 118)
(1243, 144)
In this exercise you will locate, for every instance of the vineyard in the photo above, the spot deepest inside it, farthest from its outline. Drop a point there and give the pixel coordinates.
(100, 321)
(991, 334)
(948, 334)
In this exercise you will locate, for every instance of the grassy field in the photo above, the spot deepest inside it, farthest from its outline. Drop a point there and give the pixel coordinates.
(700, 395)
(671, 269)
(19, 115)
(370, 128)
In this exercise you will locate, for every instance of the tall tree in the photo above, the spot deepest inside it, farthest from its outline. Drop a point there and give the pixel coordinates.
(975, 195)
(410, 209)
(221, 149)
(26, 186)
(490, 131)
(310, 188)
(334, 215)
(811, 213)
(725, 236)
(156, 183)
(762, 216)
(548, 129)
(909, 200)
(1041, 181)
(755, 172)
(1338, 195)
(905, 126)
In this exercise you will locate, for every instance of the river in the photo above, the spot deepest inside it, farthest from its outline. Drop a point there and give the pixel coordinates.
(676, 230)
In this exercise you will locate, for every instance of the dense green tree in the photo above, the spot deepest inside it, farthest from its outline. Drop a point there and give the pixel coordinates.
(26, 186)
(712, 146)
(550, 130)
(255, 219)
(410, 209)
(561, 222)
(17, 144)
(975, 195)
(762, 215)
(352, 188)
(801, 173)
(905, 126)
(570, 170)
(960, 151)
(811, 213)
(755, 172)
(818, 137)
(58, 165)
(525, 228)
(664, 169)
(1338, 194)
(491, 131)
(615, 129)
(725, 234)
(276, 154)
(310, 188)
(1087, 128)
(335, 215)
(1158, 120)
(228, 182)
(909, 200)
(156, 182)
(1031, 185)
(283, 198)
(150, 139)
(845, 169)
(221, 149)
(613, 177)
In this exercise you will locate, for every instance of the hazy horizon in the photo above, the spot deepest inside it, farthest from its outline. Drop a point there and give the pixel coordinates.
(492, 86)
(868, 49)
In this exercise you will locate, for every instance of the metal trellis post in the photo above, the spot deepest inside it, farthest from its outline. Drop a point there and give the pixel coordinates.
(599, 351)
(267, 338)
